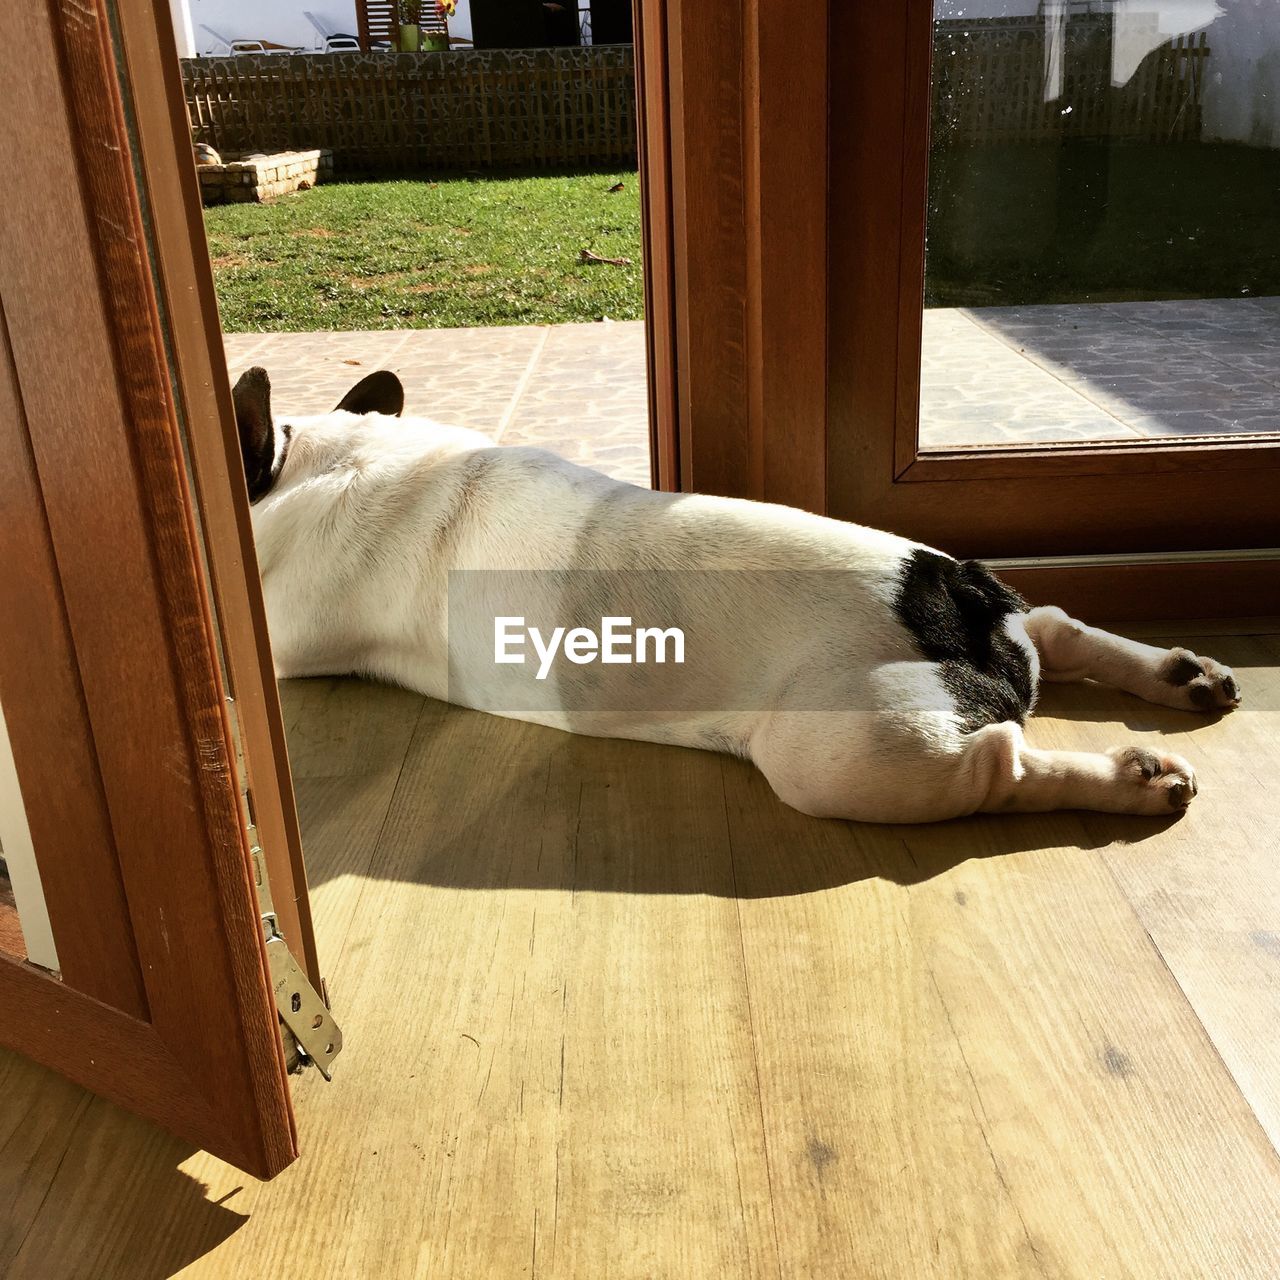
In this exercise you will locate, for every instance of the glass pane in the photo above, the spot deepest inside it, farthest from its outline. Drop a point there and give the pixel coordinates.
(1103, 246)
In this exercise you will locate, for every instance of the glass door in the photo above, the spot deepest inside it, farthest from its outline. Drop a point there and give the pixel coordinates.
(1054, 223)
(1101, 252)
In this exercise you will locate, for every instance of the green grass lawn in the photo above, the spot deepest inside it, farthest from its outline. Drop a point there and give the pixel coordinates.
(428, 255)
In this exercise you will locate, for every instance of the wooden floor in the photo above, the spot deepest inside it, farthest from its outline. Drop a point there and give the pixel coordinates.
(612, 1011)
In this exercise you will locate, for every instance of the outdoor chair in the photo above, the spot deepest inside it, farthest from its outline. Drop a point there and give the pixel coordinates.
(337, 41)
(249, 46)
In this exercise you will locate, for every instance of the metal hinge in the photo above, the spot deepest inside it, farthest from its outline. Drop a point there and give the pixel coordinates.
(310, 1033)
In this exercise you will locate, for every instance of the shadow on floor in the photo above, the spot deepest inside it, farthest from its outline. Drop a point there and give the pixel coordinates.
(478, 802)
(75, 1154)
(1096, 704)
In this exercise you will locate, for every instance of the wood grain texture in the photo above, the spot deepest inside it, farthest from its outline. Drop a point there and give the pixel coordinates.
(119, 1057)
(1057, 1135)
(347, 743)
(615, 1011)
(786, 313)
(66, 1143)
(51, 736)
(649, 22)
(734, 141)
(40, 1115)
(184, 291)
(1211, 905)
(705, 107)
(786, 162)
(1127, 595)
(73, 278)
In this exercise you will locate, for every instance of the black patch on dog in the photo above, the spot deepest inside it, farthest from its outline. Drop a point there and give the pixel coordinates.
(252, 399)
(954, 610)
(1144, 760)
(1183, 668)
(1202, 696)
(380, 392)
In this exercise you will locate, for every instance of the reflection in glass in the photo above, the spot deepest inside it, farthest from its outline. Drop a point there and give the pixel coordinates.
(24, 922)
(1102, 258)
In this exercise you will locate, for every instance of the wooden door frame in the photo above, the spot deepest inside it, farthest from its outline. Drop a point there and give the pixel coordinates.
(785, 187)
(155, 104)
(653, 146)
(109, 669)
(1079, 499)
(735, 187)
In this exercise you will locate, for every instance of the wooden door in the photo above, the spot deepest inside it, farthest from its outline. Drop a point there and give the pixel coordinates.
(1214, 496)
(733, 147)
(786, 180)
(135, 674)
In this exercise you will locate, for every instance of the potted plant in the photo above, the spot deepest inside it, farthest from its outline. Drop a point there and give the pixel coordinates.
(410, 35)
(438, 41)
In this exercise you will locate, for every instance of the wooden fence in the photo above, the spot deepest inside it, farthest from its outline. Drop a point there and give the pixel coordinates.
(394, 112)
(1001, 80)
(993, 82)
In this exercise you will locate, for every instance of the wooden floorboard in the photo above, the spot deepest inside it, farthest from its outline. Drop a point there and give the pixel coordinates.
(611, 1010)
(38, 1114)
(347, 746)
(870, 1123)
(663, 1168)
(1064, 1104)
(1207, 891)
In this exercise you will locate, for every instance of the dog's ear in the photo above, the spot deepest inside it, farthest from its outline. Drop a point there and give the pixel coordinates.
(380, 392)
(252, 398)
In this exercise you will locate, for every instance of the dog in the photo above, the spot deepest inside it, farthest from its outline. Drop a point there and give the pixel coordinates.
(871, 679)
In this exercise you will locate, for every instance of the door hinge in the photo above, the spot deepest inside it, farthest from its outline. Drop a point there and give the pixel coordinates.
(310, 1033)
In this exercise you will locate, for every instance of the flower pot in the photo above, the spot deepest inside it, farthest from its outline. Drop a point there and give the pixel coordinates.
(410, 37)
(437, 42)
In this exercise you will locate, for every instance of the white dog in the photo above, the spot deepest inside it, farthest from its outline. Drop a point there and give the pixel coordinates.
(867, 676)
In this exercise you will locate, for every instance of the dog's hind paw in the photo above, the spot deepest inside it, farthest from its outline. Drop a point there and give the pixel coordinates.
(1161, 782)
(1199, 684)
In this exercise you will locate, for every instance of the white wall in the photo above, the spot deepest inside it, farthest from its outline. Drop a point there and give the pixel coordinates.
(183, 35)
(460, 23)
(1242, 88)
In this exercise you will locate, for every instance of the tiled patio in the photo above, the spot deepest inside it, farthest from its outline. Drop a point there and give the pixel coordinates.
(1103, 371)
(1113, 371)
(577, 389)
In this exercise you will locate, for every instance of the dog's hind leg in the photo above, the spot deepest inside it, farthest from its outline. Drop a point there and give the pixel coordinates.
(1016, 778)
(1070, 650)
(906, 778)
